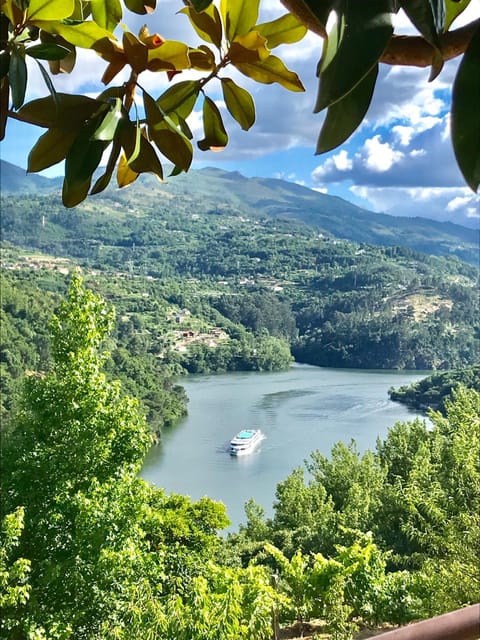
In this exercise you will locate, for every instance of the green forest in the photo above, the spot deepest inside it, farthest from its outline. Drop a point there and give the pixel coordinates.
(90, 550)
(106, 307)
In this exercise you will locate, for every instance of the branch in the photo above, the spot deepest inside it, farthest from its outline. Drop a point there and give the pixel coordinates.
(415, 51)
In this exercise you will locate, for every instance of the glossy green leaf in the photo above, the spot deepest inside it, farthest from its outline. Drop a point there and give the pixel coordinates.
(169, 56)
(135, 51)
(272, 70)
(104, 180)
(354, 45)
(216, 137)
(82, 159)
(83, 35)
(318, 11)
(49, 84)
(207, 23)
(202, 58)
(173, 146)
(65, 64)
(180, 98)
(465, 113)
(107, 128)
(141, 6)
(238, 16)
(50, 149)
(249, 48)
(453, 9)
(284, 30)
(428, 16)
(4, 63)
(344, 116)
(201, 5)
(71, 111)
(47, 51)
(18, 78)
(4, 98)
(106, 13)
(50, 9)
(239, 103)
(146, 161)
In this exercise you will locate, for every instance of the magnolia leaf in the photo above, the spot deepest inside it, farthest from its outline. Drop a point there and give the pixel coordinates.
(107, 129)
(146, 161)
(453, 9)
(170, 55)
(4, 63)
(216, 137)
(47, 51)
(49, 83)
(135, 52)
(248, 49)
(125, 175)
(13, 12)
(141, 6)
(82, 159)
(284, 30)
(272, 70)
(65, 64)
(102, 183)
(354, 45)
(207, 23)
(180, 98)
(84, 35)
(69, 112)
(4, 97)
(344, 116)
(314, 14)
(465, 109)
(106, 13)
(49, 9)
(238, 16)
(173, 145)
(202, 58)
(239, 103)
(18, 78)
(428, 16)
(50, 149)
(201, 5)
(171, 142)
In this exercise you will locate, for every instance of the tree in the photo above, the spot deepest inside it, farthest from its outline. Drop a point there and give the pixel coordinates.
(81, 129)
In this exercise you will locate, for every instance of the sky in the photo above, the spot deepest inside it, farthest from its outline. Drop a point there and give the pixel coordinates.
(400, 161)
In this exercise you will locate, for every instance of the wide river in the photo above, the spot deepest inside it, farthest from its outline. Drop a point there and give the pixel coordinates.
(300, 410)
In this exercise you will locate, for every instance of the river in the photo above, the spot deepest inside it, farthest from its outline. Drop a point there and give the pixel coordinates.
(299, 410)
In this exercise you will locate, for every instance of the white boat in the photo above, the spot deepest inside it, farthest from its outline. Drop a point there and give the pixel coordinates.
(245, 441)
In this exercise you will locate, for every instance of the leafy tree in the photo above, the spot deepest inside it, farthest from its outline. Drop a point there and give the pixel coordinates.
(80, 129)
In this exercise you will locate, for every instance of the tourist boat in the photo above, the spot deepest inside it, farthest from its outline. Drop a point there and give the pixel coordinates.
(245, 441)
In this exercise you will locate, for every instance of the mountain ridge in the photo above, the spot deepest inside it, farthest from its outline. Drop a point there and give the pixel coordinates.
(211, 189)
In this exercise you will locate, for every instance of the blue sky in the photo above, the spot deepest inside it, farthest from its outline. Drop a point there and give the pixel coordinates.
(400, 161)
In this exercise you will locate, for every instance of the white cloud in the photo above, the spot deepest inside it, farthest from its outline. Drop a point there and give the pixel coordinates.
(440, 203)
(379, 156)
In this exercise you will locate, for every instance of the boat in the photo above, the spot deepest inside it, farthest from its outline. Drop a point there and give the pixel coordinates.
(245, 441)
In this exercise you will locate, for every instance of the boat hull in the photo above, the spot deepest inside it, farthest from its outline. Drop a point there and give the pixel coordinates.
(245, 442)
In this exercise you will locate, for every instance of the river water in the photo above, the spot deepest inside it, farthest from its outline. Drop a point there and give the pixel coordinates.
(300, 410)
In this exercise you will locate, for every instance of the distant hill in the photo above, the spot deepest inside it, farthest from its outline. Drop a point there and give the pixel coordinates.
(15, 180)
(212, 190)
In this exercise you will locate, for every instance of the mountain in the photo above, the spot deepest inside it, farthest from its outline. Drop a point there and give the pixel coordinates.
(212, 190)
(15, 180)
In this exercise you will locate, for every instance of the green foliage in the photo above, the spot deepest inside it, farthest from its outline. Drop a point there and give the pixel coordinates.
(53, 33)
(433, 391)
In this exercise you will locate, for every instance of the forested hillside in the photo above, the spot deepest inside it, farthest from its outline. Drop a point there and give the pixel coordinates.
(90, 550)
(337, 303)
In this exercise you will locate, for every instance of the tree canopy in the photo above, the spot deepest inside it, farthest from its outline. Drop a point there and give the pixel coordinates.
(81, 129)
